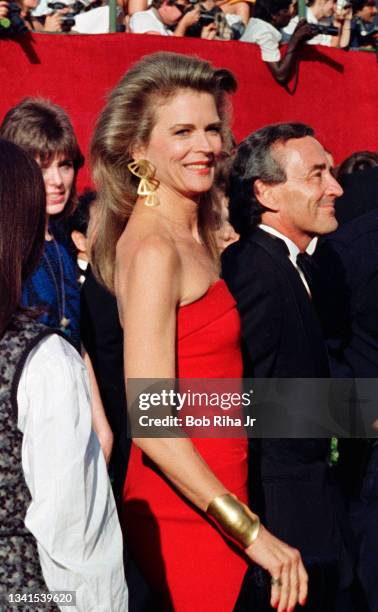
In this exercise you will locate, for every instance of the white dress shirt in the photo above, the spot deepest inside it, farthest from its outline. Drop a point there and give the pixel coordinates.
(293, 250)
(148, 21)
(266, 36)
(72, 514)
(95, 21)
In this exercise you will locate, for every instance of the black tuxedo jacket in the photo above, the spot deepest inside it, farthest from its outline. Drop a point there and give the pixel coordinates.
(281, 333)
(282, 337)
(102, 338)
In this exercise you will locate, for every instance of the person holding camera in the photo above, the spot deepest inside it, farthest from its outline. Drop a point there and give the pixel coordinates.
(333, 24)
(168, 18)
(17, 18)
(27, 21)
(264, 29)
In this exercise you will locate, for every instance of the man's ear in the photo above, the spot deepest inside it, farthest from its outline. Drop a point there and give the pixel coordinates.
(265, 194)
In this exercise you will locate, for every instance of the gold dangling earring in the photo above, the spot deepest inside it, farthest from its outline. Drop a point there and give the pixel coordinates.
(148, 184)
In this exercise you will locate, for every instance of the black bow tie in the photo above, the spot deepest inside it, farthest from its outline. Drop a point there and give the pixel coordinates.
(308, 266)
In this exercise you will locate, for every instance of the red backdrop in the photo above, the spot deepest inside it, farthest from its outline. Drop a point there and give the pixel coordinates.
(336, 92)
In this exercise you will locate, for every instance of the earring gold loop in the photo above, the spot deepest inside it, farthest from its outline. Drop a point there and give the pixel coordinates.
(148, 184)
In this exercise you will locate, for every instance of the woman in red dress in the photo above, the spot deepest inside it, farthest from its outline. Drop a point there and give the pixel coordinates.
(154, 152)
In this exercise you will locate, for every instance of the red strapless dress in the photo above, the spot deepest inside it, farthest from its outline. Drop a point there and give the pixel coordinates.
(181, 554)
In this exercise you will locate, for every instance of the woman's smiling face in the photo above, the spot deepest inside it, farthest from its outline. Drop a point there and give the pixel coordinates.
(185, 143)
(58, 175)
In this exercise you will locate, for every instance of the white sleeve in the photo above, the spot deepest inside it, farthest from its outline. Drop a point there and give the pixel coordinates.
(289, 29)
(72, 514)
(142, 22)
(269, 48)
(95, 21)
(321, 39)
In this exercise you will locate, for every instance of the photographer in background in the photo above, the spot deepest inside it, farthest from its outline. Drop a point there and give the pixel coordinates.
(334, 23)
(264, 29)
(165, 14)
(50, 23)
(17, 18)
(226, 26)
(364, 32)
(81, 16)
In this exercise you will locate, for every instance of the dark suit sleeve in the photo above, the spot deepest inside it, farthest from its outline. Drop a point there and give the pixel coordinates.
(254, 286)
(332, 299)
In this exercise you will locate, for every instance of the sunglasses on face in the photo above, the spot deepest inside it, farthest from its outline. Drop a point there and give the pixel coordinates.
(180, 7)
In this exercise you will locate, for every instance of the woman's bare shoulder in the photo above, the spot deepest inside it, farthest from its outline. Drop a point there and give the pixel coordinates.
(147, 249)
(149, 257)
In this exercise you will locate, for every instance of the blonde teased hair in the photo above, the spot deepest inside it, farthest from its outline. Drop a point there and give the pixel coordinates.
(126, 123)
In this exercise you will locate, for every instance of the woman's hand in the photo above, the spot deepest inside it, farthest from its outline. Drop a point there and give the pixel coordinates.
(99, 421)
(342, 15)
(209, 31)
(53, 23)
(191, 17)
(187, 20)
(342, 20)
(285, 566)
(106, 439)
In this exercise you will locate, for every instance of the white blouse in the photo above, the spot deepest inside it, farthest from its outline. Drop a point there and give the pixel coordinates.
(72, 514)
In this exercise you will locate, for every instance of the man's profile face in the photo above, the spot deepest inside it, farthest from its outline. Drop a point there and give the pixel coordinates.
(328, 8)
(368, 12)
(282, 18)
(305, 202)
(172, 13)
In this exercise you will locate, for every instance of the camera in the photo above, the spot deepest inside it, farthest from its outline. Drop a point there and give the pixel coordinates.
(325, 29)
(215, 15)
(13, 23)
(206, 17)
(68, 19)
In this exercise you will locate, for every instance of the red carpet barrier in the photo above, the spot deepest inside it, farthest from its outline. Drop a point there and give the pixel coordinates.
(336, 91)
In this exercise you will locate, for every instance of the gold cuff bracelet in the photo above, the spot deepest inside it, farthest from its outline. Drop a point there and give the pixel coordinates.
(234, 519)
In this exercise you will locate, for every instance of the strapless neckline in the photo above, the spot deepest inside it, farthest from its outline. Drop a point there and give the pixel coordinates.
(204, 295)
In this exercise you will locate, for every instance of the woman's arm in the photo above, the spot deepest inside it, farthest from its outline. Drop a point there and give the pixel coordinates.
(149, 294)
(342, 20)
(99, 421)
(72, 514)
(148, 307)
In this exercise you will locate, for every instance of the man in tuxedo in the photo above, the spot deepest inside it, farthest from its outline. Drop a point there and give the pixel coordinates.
(282, 194)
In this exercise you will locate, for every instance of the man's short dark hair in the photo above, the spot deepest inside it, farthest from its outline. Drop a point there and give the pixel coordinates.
(158, 3)
(264, 9)
(254, 160)
(79, 220)
(358, 5)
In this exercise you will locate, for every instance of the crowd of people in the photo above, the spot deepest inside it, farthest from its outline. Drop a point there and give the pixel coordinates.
(148, 278)
(264, 22)
(267, 23)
